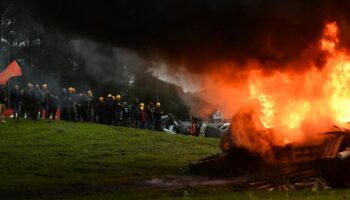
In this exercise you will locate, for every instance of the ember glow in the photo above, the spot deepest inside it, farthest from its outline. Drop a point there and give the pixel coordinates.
(286, 106)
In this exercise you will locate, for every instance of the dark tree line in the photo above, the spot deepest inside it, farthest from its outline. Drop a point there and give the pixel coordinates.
(48, 56)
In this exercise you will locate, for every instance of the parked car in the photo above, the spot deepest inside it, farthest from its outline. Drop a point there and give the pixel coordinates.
(224, 128)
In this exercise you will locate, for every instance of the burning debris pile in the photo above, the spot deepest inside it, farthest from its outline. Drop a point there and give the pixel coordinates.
(285, 131)
(289, 167)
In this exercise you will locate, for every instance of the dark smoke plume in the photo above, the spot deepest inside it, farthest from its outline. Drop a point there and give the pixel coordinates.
(195, 33)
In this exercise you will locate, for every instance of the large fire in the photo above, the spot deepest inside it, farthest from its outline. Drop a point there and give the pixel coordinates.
(280, 107)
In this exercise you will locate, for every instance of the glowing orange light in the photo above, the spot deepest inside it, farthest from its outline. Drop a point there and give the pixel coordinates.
(294, 107)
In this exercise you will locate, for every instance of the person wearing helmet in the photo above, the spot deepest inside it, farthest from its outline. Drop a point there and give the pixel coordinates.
(44, 86)
(118, 110)
(71, 105)
(110, 109)
(118, 97)
(157, 117)
(142, 117)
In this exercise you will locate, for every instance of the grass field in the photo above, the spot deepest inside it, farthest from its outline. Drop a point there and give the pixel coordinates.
(62, 160)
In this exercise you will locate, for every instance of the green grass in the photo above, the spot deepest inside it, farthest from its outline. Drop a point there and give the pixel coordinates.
(62, 160)
(222, 194)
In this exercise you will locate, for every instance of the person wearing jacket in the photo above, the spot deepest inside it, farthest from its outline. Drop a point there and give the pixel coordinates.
(63, 104)
(44, 101)
(157, 117)
(135, 113)
(35, 99)
(26, 101)
(110, 109)
(90, 106)
(100, 111)
(126, 114)
(142, 117)
(52, 102)
(16, 97)
(70, 104)
(150, 116)
(118, 109)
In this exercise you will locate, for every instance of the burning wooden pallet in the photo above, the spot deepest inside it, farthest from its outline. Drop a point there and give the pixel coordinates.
(292, 165)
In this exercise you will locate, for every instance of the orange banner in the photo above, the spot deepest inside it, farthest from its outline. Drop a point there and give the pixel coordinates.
(12, 70)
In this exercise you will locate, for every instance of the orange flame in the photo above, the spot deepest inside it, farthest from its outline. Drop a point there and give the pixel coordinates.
(294, 107)
(330, 40)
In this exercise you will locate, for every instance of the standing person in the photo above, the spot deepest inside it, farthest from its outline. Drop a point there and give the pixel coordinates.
(90, 106)
(150, 116)
(84, 108)
(45, 98)
(193, 129)
(135, 112)
(63, 105)
(41, 108)
(118, 109)
(142, 117)
(16, 97)
(35, 96)
(52, 102)
(126, 114)
(110, 109)
(157, 117)
(81, 107)
(100, 111)
(70, 105)
(27, 101)
(3, 100)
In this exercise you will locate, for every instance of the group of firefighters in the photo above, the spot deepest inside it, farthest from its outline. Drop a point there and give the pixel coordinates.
(38, 102)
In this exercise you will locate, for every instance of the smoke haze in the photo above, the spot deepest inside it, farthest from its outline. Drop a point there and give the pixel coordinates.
(199, 34)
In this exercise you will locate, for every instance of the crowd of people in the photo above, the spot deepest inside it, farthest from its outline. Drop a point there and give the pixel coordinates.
(38, 102)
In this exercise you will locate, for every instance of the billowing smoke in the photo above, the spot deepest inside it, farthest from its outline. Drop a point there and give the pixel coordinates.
(199, 34)
(108, 65)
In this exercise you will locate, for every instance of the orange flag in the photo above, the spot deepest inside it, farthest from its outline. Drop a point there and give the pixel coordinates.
(12, 70)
